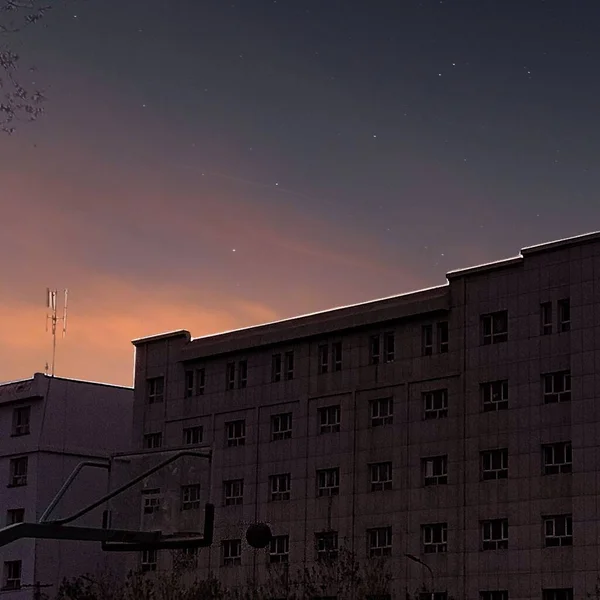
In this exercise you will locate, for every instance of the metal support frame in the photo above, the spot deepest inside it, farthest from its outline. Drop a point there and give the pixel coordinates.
(112, 539)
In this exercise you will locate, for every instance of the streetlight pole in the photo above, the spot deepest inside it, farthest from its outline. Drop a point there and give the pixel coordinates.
(423, 564)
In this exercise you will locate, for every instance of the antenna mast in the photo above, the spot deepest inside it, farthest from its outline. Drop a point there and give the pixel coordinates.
(53, 318)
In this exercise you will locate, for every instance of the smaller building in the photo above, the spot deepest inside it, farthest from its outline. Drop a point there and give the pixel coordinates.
(48, 425)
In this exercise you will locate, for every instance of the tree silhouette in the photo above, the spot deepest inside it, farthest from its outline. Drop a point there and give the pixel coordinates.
(20, 99)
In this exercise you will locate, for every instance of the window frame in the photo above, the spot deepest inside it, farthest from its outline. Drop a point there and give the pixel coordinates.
(328, 482)
(381, 411)
(230, 487)
(565, 539)
(193, 491)
(18, 479)
(379, 541)
(279, 554)
(494, 334)
(233, 440)
(155, 389)
(21, 428)
(441, 412)
(280, 487)
(557, 467)
(437, 462)
(491, 539)
(12, 580)
(377, 471)
(328, 425)
(231, 552)
(491, 473)
(433, 531)
(552, 384)
(280, 432)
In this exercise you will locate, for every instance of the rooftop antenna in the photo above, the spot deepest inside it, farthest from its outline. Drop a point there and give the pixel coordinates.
(53, 318)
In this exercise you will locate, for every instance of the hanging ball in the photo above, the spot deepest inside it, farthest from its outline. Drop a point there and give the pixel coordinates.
(258, 535)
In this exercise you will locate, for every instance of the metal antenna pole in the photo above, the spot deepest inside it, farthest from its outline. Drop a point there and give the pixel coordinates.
(51, 305)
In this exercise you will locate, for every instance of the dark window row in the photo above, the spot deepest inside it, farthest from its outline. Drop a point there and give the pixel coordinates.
(554, 316)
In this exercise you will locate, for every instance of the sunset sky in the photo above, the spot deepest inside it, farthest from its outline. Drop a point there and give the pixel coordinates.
(211, 164)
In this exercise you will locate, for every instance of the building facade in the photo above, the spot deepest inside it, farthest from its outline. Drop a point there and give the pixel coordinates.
(48, 426)
(453, 431)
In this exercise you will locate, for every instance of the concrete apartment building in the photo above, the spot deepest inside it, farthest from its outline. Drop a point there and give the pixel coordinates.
(457, 424)
(48, 425)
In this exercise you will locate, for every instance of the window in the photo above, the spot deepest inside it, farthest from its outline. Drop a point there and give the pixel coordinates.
(374, 350)
(289, 365)
(493, 595)
(233, 492)
(558, 530)
(564, 315)
(382, 412)
(328, 482)
(323, 358)
(494, 464)
(243, 373)
(433, 596)
(495, 395)
(558, 594)
(276, 368)
(494, 534)
(200, 381)
(150, 501)
(230, 376)
(155, 390)
(12, 575)
(189, 389)
(427, 340)
(279, 549)
(435, 470)
(236, 433)
(149, 560)
(190, 496)
(435, 538)
(18, 471)
(379, 541)
(327, 545)
(153, 441)
(557, 387)
(329, 419)
(381, 476)
(442, 337)
(558, 458)
(232, 552)
(21, 419)
(494, 328)
(281, 426)
(193, 435)
(15, 515)
(389, 347)
(336, 350)
(280, 486)
(546, 318)
(436, 404)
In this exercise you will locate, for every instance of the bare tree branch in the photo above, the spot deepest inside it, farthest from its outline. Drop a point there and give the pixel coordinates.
(20, 99)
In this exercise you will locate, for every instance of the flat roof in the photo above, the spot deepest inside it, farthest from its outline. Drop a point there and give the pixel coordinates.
(37, 376)
(377, 303)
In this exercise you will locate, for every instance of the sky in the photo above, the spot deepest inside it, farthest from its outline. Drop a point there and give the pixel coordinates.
(212, 164)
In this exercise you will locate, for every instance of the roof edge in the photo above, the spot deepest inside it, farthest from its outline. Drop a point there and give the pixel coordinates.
(592, 236)
(163, 336)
